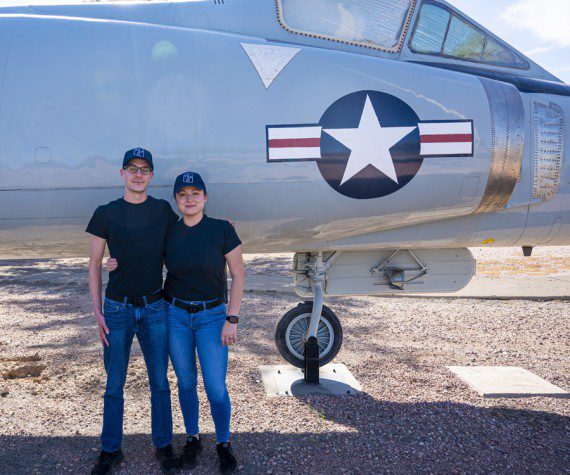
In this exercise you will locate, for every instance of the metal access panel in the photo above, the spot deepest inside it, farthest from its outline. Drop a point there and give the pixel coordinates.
(389, 272)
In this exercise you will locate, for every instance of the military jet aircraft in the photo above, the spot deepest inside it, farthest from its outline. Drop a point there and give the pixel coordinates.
(376, 139)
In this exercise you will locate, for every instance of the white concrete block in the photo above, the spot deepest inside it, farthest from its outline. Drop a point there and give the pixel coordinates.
(287, 380)
(506, 381)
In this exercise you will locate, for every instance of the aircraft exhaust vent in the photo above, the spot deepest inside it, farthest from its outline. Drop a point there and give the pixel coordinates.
(507, 137)
(548, 132)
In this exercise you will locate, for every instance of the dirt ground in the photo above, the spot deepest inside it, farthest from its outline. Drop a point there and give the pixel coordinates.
(413, 416)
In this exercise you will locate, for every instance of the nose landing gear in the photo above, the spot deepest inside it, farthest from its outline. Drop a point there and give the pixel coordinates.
(310, 335)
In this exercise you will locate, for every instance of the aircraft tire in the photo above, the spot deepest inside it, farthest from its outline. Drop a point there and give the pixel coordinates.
(291, 325)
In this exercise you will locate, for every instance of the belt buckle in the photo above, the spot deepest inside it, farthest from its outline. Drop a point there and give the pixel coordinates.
(194, 308)
(138, 301)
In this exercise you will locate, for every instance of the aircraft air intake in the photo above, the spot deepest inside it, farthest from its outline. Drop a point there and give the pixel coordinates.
(507, 141)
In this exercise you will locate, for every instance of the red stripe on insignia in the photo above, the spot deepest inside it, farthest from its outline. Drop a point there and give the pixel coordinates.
(446, 138)
(287, 143)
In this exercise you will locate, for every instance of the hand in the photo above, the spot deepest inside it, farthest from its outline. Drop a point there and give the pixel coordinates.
(102, 326)
(112, 264)
(229, 333)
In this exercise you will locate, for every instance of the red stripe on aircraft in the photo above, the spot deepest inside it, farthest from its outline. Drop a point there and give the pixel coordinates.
(446, 138)
(289, 143)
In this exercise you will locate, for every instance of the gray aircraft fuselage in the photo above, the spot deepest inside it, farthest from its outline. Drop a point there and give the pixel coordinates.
(81, 84)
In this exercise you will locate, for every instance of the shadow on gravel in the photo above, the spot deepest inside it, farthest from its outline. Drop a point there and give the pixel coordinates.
(386, 437)
(446, 437)
(80, 322)
(26, 267)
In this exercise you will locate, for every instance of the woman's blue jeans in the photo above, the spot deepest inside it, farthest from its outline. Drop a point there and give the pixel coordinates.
(149, 324)
(201, 331)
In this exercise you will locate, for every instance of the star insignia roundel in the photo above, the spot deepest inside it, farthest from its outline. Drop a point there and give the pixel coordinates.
(369, 144)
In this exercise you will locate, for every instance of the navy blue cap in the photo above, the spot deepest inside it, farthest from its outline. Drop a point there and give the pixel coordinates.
(189, 179)
(140, 153)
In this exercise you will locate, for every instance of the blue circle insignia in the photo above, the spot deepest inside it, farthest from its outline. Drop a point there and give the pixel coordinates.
(370, 145)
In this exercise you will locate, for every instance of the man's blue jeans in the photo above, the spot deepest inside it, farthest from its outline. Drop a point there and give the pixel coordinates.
(201, 331)
(149, 324)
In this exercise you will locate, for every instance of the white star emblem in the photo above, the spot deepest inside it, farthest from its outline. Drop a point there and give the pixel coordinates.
(369, 144)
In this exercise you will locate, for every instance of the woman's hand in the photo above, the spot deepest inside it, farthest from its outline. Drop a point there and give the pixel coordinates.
(229, 333)
(112, 264)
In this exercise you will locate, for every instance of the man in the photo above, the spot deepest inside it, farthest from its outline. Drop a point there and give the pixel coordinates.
(133, 227)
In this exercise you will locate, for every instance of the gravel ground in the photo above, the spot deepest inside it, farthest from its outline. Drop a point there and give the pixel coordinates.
(414, 415)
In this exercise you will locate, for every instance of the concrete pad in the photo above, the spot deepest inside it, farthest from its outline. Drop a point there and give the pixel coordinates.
(533, 287)
(287, 380)
(506, 381)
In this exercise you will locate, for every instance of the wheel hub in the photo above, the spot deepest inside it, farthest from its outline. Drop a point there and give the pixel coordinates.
(297, 334)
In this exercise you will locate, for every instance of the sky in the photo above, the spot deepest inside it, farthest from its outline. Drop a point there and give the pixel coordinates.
(538, 28)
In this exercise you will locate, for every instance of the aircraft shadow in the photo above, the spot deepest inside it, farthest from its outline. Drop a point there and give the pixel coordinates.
(375, 437)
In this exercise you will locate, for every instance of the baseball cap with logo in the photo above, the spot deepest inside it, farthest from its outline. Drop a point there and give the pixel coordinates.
(139, 153)
(189, 179)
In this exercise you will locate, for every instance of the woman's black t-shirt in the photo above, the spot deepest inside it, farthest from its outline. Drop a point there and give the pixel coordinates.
(195, 258)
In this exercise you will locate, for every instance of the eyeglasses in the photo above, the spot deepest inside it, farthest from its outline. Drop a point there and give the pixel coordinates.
(134, 169)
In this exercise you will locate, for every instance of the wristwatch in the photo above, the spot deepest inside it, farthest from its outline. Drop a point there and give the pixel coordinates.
(232, 318)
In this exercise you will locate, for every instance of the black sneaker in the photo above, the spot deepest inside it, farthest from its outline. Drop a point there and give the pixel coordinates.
(190, 452)
(106, 461)
(228, 462)
(169, 462)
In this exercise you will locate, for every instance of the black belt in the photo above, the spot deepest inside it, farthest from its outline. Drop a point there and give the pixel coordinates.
(137, 300)
(193, 307)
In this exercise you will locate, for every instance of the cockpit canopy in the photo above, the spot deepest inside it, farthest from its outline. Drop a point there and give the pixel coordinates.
(441, 32)
(376, 24)
(382, 25)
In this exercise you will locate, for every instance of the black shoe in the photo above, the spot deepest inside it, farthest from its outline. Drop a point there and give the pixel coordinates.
(228, 462)
(106, 461)
(169, 462)
(190, 452)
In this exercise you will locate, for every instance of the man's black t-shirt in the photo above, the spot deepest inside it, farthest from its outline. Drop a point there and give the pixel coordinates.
(195, 258)
(135, 236)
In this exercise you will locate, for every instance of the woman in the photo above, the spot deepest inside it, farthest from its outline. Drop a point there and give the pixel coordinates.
(197, 249)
